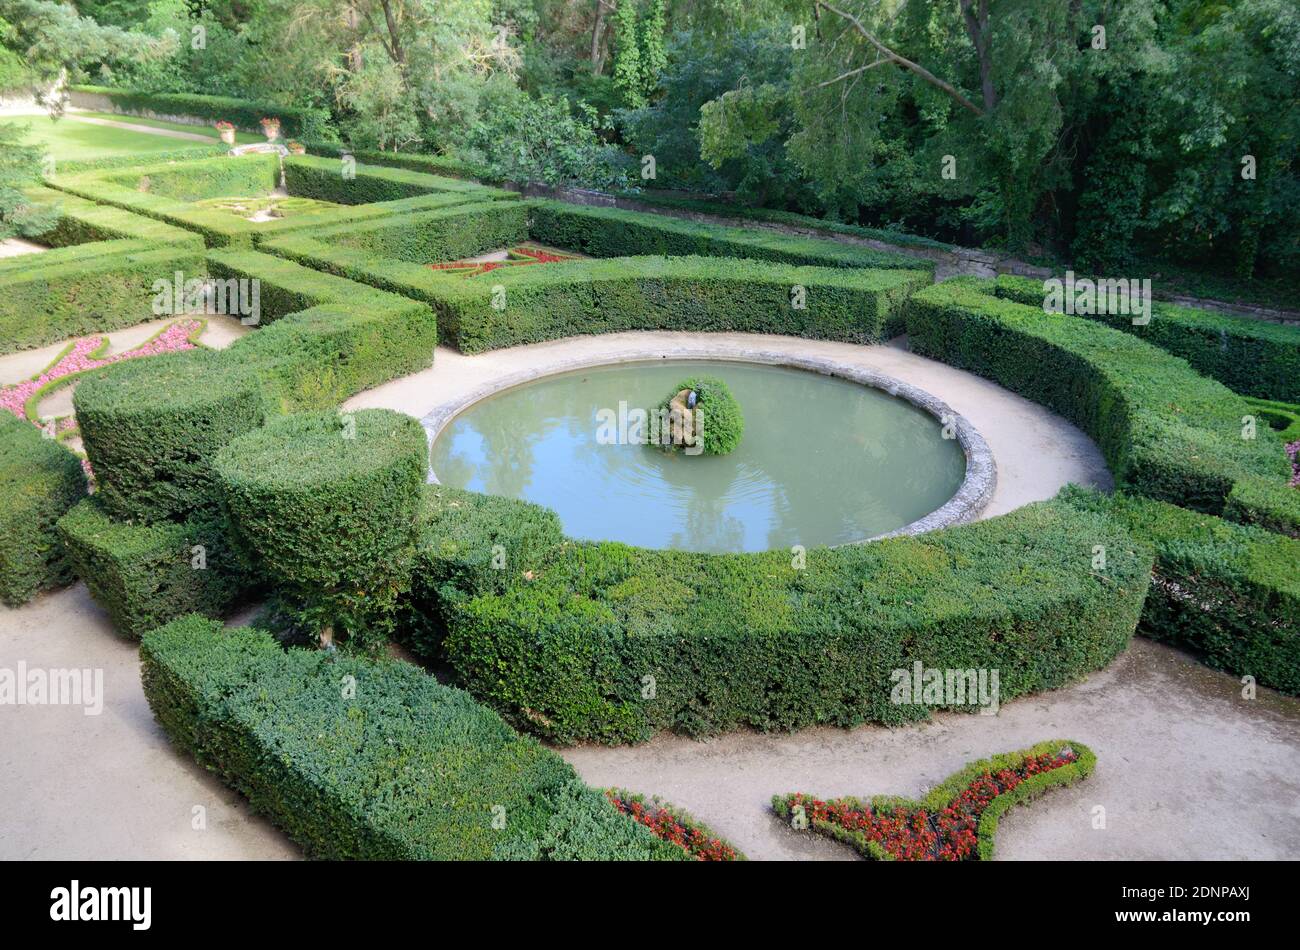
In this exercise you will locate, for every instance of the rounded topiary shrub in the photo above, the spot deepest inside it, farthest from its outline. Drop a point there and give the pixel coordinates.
(328, 502)
(716, 418)
(151, 428)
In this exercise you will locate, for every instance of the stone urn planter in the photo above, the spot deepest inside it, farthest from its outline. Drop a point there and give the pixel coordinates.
(227, 132)
(296, 148)
(271, 128)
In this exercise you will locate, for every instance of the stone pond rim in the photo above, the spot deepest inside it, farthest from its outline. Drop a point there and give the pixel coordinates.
(969, 500)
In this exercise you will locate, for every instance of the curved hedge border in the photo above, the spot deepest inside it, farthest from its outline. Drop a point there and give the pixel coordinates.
(357, 759)
(39, 481)
(602, 296)
(604, 642)
(1164, 430)
(1251, 357)
(1227, 592)
(151, 428)
(1033, 771)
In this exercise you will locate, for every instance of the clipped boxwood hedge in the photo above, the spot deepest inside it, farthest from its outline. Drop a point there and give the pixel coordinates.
(414, 161)
(96, 287)
(316, 358)
(534, 304)
(328, 503)
(612, 643)
(145, 575)
(610, 232)
(1164, 430)
(81, 221)
(244, 114)
(1251, 357)
(470, 544)
(397, 767)
(541, 303)
(1282, 417)
(190, 153)
(424, 237)
(39, 481)
(164, 191)
(322, 178)
(151, 427)
(286, 287)
(225, 176)
(1229, 593)
(787, 218)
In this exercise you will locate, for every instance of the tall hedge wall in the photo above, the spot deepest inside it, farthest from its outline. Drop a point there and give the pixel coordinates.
(153, 427)
(470, 544)
(611, 643)
(318, 357)
(397, 767)
(1251, 357)
(1165, 431)
(328, 498)
(39, 481)
(511, 306)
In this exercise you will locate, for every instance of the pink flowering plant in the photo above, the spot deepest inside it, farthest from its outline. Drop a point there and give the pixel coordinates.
(87, 355)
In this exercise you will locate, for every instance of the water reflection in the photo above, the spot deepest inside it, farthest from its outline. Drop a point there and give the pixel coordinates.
(823, 460)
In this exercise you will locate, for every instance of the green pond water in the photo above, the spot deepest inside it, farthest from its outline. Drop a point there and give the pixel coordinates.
(823, 460)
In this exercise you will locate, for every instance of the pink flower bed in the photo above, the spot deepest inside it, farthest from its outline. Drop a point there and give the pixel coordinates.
(78, 359)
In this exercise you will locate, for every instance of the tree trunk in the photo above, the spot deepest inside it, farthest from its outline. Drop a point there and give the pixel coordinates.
(598, 39)
(977, 27)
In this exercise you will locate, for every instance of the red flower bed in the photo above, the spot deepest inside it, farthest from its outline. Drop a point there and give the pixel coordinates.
(922, 835)
(666, 825)
(515, 257)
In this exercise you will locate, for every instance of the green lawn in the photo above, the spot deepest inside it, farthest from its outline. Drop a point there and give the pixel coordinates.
(67, 139)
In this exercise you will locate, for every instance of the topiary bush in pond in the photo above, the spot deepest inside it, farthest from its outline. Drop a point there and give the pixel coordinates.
(714, 421)
(328, 502)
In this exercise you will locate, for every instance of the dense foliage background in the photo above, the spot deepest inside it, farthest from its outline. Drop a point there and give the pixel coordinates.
(1107, 133)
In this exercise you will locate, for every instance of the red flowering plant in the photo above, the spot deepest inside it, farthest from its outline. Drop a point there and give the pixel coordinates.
(674, 826)
(515, 257)
(955, 822)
